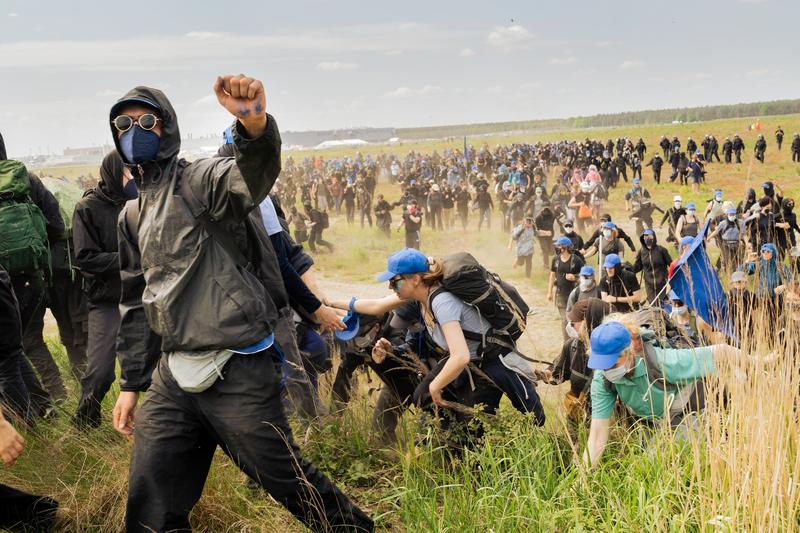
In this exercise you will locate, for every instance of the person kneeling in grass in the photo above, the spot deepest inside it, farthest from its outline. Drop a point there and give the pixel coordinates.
(654, 383)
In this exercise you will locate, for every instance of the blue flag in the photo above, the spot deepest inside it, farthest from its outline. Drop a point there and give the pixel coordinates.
(466, 153)
(696, 283)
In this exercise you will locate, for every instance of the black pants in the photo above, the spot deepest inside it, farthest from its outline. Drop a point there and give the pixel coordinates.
(350, 210)
(29, 291)
(365, 213)
(412, 239)
(738, 156)
(436, 218)
(463, 216)
(796, 156)
(316, 239)
(67, 302)
(104, 321)
(40, 357)
(20, 511)
(299, 391)
(178, 432)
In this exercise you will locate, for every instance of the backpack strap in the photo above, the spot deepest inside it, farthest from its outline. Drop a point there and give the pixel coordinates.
(132, 218)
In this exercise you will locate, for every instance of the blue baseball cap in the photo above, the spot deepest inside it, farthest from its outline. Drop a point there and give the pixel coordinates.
(687, 240)
(730, 211)
(674, 296)
(648, 232)
(408, 261)
(636, 180)
(563, 241)
(766, 185)
(690, 205)
(587, 270)
(609, 225)
(135, 100)
(611, 261)
(608, 341)
(352, 322)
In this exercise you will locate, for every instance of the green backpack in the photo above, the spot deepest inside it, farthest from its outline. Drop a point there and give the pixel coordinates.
(68, 195)
(23, 229)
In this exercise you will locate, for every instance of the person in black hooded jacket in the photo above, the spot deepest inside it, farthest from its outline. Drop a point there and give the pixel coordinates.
(212, 290)
(653, 262)
(97, 259)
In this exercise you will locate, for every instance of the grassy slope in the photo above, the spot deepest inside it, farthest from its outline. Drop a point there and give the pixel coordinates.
(522, 479)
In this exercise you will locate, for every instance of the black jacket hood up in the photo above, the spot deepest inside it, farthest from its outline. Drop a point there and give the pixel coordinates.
(110, 186)
(170, 134)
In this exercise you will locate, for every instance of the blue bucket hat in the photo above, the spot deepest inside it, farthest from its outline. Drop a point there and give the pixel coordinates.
(352, 322)
(607, 341)
(611, 261)
(408, 261)
(587, 270)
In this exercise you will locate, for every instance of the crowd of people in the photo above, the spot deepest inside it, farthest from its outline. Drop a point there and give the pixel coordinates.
(194, 277)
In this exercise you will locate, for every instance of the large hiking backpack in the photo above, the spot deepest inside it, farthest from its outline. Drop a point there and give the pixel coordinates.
(68, 195)
(686, 398)
(23, 228)
(494, 299)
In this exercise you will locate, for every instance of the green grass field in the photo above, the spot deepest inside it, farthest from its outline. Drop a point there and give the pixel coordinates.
(739, 473)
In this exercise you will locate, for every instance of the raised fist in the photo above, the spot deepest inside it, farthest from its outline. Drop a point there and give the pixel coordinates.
(244, 98)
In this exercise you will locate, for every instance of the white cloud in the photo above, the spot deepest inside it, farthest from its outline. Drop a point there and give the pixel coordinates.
(146, 53)
(204, 35)
(13, 14)
(758, 72)
(336, 65)
(630, 64)
(562, 60)
(406, 92)
(108, 93)
(508, 38)
(467, 52)
(495, 89)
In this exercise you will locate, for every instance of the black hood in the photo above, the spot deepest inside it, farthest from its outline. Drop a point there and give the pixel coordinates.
(170, 134)
(110, 186)
(751, 194)
(3, 155)
(655, 240)
(769, 190)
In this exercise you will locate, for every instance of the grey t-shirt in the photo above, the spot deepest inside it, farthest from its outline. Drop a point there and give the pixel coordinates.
(446, 307)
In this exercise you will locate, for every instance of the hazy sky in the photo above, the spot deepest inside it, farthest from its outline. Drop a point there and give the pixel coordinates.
(329, 64)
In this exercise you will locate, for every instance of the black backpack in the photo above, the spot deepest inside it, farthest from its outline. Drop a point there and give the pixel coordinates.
(495, 300)
(325, 219)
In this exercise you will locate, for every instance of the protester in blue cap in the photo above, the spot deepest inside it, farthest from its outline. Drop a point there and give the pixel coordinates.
(619, 286)
(607, 243)
(587, 287)
(413, 276)
(688, 224)
(729, 235)
(653, 261)
(653, 383)
(564, 271)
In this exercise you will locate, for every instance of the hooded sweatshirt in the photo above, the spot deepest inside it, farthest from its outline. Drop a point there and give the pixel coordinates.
(769, 274)
(195, 295)
(653, 263)
(95, 233)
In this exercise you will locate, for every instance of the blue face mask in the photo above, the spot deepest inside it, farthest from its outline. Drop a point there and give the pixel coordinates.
(130, 191)
(139, 145)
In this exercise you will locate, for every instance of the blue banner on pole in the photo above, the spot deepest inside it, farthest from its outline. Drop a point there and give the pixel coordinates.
(697, 284)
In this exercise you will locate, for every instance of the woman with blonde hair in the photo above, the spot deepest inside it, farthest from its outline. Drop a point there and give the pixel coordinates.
(465, 372)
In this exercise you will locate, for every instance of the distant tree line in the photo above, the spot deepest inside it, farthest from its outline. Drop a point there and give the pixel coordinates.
(631, 118)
